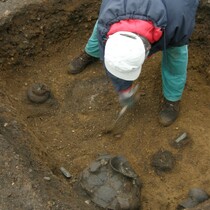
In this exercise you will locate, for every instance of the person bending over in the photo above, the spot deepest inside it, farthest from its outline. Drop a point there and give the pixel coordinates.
(128, 32)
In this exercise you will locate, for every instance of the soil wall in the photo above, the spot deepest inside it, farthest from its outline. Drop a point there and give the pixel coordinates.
(30, 27)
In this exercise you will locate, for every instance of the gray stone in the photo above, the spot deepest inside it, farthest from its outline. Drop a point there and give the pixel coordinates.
(114, 185)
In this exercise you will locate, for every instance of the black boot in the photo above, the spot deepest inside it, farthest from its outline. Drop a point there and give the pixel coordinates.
(79, 63)
(169, 112)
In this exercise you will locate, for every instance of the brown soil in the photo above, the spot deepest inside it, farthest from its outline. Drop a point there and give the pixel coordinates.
(68, 130)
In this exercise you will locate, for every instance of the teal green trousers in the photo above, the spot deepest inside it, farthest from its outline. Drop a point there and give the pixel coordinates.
(174, 68)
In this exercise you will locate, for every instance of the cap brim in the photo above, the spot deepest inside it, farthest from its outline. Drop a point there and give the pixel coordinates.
(128, 76)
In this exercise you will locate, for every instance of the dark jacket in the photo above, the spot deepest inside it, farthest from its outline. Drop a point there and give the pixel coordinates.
(175, 17)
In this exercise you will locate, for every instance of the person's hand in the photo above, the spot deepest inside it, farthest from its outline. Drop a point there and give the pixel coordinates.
(129, 97)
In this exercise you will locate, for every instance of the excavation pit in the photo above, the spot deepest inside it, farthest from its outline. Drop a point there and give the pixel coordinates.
(37, 41)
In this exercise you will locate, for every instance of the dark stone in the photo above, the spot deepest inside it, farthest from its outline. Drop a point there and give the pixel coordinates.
(163, 161)
(195, 197)
(38, 93)
(111, 183)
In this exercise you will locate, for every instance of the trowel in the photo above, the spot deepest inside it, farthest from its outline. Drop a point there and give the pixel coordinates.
(123, 111)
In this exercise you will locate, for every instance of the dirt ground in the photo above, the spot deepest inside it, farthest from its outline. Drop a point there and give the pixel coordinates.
(68, 130)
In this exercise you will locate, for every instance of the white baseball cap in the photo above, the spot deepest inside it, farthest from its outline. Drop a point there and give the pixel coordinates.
(124, 55)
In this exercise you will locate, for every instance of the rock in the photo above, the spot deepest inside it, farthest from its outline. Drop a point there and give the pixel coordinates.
(65, 172)
(203, 206)
(163, 161)
(38, 93)
(180, 141)
(198, 194)
(111, 183)
(195, 197)
(47, 178)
